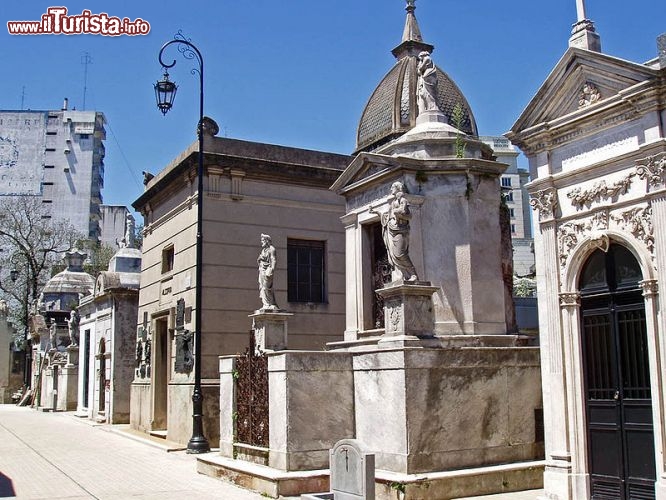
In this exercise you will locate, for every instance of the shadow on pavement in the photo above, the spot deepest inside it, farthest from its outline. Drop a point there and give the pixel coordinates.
(6, 487)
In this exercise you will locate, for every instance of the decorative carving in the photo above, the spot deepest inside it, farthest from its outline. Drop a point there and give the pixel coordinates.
(180, 314)
(589, 94)
(394, 316)
(652, 169)
(600, 191)
(184, 356)
(650, 287)
(637, 221)
(139, 353)
(569, 299)
(570, 233)
(545, 202)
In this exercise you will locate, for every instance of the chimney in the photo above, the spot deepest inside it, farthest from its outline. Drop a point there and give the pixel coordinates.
(661, 49)
(64, 104)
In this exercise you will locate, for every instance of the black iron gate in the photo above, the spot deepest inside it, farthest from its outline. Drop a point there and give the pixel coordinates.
(252, 397)
(617, 377)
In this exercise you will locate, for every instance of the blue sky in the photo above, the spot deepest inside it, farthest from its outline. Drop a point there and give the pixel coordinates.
(294, 72)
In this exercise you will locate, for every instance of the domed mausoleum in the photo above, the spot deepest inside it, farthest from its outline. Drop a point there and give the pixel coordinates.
(392, 108)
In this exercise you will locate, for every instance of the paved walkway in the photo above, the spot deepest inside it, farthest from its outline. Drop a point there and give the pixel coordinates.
(57, 455)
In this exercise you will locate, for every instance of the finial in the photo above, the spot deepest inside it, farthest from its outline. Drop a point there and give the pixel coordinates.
(411, 6)
(583, 34)
(411, 31)
(580, 10)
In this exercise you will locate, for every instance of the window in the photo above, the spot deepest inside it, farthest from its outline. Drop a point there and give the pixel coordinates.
(84, 136)
(305, 271)
(167, 259)
(513, 229)
(506, 181)
(512, 213)
(508, 196)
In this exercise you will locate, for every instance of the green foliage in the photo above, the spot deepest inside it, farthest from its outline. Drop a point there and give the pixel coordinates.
(458, 117)
(98, 258)
(31, 243)
(524, 287)
(398, 487)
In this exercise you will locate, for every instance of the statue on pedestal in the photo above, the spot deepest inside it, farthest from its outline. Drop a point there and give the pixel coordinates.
(73, 323)
(427, 84)
(52, 333)
(267, 260)
(395, 232)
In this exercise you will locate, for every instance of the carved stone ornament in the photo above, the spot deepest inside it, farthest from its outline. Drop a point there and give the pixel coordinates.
(569, 299)
(638, 222)
(570, 233)
(545, 202)
(650, 287)
(600, 191)
(652, 169)
(589, 94)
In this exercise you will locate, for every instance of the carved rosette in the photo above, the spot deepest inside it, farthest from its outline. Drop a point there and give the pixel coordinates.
(652, 169)
(650, 288)
(589, 94)
(599, 192)
(545, 203)
(570, 299)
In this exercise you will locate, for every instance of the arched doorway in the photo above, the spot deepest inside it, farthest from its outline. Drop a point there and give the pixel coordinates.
(620, 439)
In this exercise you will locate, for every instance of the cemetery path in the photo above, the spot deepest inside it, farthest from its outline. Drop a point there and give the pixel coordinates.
(57, 455)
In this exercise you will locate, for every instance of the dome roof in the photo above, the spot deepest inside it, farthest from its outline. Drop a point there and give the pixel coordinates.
(392, 108)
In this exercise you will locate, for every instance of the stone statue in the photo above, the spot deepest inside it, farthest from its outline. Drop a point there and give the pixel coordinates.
(395, 232)
(73, 323)
(427, 84)
(52, 333)
(3, 308)
(267, 261)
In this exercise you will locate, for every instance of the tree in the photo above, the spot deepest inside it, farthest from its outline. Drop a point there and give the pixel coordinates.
(30, 244)
(99, 256)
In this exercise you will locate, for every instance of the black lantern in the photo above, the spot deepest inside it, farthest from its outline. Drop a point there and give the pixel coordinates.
(165, 93)
(13, 274)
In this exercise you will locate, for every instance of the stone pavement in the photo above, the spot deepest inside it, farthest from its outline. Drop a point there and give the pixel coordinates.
(57, 455)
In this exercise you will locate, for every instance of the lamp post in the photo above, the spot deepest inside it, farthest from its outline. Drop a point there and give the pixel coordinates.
(165, 92)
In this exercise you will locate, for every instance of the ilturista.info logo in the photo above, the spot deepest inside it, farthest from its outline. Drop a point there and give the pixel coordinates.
(57, 21)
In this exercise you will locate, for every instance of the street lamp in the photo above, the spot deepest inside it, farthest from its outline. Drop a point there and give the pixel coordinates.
(165, 92)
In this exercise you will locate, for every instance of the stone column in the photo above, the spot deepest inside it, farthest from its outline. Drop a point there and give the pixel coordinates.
(352, 263)
(227, 405)
(558, 456)
(270, 330)
(575, 390)
(654, 300)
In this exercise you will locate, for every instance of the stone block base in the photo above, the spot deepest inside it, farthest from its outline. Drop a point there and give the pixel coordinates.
(388, 485)
(265, 480)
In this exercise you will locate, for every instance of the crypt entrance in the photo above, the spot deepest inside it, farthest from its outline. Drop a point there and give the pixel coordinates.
(618, 403)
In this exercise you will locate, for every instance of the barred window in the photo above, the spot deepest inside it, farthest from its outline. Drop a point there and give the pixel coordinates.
(306, 271)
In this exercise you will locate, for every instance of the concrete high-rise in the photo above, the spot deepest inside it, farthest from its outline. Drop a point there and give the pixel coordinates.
(59, 157)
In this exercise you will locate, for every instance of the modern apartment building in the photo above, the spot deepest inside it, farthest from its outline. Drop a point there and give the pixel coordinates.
(58, 156)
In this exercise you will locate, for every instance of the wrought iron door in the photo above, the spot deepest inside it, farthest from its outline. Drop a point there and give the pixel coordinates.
(617, 377)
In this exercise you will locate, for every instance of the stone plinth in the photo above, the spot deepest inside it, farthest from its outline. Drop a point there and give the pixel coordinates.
(408, 310)
(270, 329)
(72, 356)
(448, 409)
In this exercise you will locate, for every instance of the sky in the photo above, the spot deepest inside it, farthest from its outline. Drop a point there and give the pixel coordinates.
(292, 72)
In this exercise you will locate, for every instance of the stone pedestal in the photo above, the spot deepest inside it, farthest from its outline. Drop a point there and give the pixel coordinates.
(408, 313)
(270, 329)
(72, 356)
